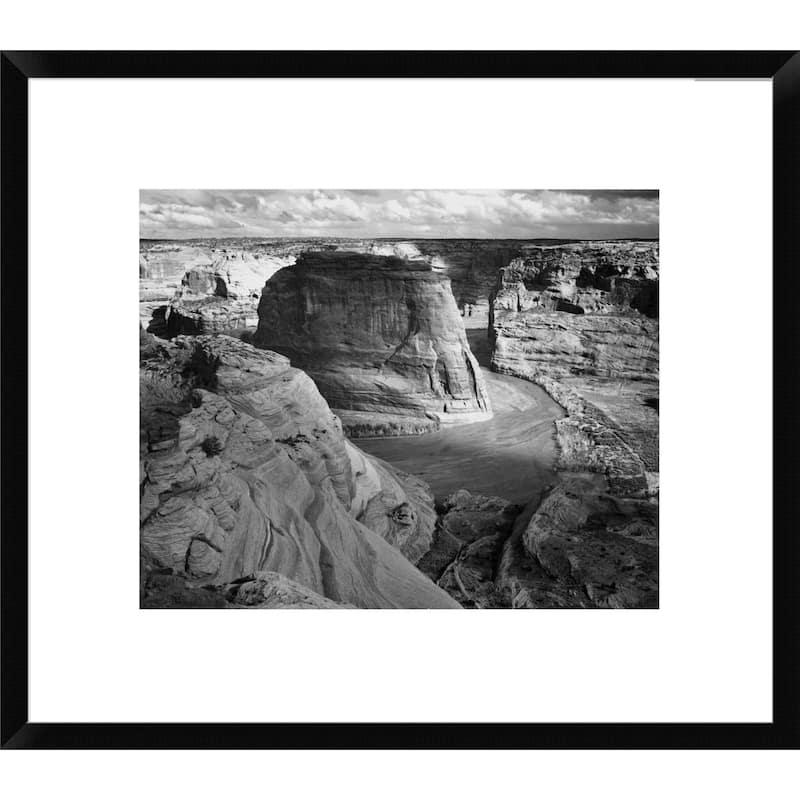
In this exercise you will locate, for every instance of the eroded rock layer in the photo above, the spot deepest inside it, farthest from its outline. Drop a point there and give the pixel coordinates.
(470, 264)
(205, 287)
(382, 338)
(578, 310)
(583, 324)
(244, 470)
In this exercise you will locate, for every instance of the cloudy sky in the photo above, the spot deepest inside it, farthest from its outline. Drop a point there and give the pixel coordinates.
(423, 213)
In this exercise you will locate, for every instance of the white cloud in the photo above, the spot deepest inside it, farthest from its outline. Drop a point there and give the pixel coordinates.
(436, 213)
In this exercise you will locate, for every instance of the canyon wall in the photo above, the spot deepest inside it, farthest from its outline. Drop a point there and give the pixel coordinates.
(221, 297)
(204, 287)
(581, 320)
(581, 309)
(380, 335)
(245, 474)
(470, 264)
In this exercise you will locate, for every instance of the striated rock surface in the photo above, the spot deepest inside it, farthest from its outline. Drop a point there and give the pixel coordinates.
(211, 266)
(222, 297)
(619, 268)
(382, 338)
(579, 310)
(470, 264)
(582, 322)
(208, 288)
(206, 315)
(609, 346)
(244, 469)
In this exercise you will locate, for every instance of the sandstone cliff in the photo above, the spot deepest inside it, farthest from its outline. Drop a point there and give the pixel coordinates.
(470, 264)
(244, 470)
(222, 297)
(382, 338)
(582, 322)
(208, 288)
(619, 268)
(578, 310)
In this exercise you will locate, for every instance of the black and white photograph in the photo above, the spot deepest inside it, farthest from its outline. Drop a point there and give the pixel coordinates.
(417, 399)
(403, 346)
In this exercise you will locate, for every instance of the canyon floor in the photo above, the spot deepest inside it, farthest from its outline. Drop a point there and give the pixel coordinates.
(511, 455)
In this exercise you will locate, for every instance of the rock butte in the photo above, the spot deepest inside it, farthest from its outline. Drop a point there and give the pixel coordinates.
(382, 338)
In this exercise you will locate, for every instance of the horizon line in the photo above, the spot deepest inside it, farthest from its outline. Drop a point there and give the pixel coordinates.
(410, 238)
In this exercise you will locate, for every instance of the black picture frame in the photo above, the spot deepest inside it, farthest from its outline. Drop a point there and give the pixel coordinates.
(782, 67)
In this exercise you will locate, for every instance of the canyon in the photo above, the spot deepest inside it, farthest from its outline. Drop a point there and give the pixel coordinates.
(503, 396)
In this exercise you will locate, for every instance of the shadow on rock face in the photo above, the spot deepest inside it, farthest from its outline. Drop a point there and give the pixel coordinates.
(652, 402)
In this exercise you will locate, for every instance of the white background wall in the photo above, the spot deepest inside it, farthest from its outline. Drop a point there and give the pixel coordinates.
(703, 656)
